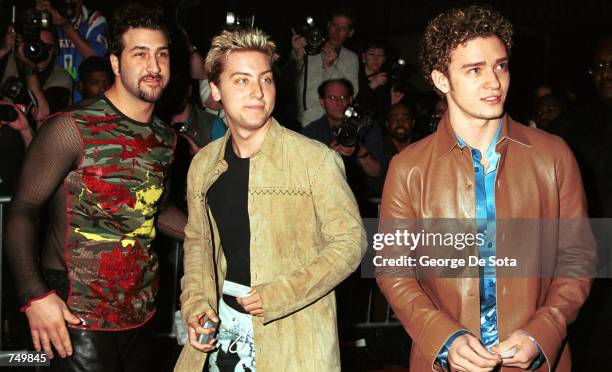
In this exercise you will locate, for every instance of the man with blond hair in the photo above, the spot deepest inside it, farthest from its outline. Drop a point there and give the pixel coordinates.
(273, 228)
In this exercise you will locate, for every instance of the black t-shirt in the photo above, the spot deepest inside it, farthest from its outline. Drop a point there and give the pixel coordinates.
(228, 200)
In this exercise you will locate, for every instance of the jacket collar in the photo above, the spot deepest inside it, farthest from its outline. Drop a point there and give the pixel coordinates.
(271, 149)
(445, 139)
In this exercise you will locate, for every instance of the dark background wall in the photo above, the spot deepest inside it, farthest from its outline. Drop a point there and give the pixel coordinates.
(553, 40)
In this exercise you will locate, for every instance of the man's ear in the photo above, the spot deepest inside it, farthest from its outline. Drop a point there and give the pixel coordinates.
(214, 91)
(351, 33)
(114, 61)
(322, 102)
(441, 81)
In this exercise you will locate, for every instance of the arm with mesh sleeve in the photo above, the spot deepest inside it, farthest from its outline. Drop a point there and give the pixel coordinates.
(53, 153)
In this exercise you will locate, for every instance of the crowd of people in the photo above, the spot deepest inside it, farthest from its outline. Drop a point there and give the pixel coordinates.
(114, 133)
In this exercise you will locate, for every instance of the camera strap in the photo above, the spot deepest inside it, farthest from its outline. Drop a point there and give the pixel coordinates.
(305, 82)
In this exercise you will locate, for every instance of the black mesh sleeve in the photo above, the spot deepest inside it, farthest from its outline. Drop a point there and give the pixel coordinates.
(53, 153)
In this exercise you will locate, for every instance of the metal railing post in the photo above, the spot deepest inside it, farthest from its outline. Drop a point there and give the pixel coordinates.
(3, 200)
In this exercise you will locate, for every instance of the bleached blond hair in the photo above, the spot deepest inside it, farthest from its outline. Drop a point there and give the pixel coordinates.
(222, 45)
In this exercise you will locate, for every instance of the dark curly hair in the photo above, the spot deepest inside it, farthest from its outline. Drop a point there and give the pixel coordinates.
(134, 15)
(455, 27)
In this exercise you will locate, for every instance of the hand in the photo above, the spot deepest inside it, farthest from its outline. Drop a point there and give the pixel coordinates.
(466, 353)
(342, 150)
(377, 79)
(298, 42)
(527, 351)
(56, 18)
(252, 304)
(195, 329)
(362, 151)
(21, 124)
(329, 55)
(396, 96)
(47, 318)
(9, 40)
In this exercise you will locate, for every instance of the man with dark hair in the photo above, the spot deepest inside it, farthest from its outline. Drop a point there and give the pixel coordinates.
(95, 77)
(400, 130)
(333, 62)
(482, 167)
(364, 159)
(102, 167)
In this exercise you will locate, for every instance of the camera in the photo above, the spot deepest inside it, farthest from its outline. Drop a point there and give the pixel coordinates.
(357, 119)
(31, 22)
(18, 93)
(7, 113)
(234, 22)
(204, 339)
(66, 8)
(189, 129)
(397, 68)
(314, 37)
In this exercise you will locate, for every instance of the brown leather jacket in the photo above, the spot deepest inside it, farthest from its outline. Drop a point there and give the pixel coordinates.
(537, 178)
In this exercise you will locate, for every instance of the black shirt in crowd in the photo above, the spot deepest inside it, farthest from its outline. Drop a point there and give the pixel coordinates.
(228, 201)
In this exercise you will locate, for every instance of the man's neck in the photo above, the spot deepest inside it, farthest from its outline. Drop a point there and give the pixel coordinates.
(336, 47)
(333, 123)
(477, 133)
(400, 145)
(132, 107)
(369, 72)
(247, 142)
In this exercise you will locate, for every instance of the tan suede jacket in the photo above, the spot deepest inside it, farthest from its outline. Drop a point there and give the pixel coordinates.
(537, 178)
(306, 237)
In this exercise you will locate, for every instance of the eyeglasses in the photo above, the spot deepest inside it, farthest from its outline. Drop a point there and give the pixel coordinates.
(600, 66)
(337, 98)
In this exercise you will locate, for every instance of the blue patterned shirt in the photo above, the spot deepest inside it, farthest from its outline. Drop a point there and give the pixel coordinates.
(484, 180)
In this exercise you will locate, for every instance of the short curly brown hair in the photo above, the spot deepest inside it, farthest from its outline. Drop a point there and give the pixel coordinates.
(456, 27)
(134, 15)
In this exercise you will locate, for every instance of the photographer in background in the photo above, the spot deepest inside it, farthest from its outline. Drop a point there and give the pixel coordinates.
(51, 86)
(374, 83)
(333, 62)
(81, 33)
(364, 162)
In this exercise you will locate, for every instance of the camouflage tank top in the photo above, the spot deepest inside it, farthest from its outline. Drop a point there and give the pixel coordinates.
(111, 201)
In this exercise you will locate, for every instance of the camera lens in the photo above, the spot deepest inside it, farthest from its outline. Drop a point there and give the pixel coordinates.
(36, 51)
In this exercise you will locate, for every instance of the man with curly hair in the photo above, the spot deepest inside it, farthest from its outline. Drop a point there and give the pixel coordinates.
(101, 167)
(482, 166)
